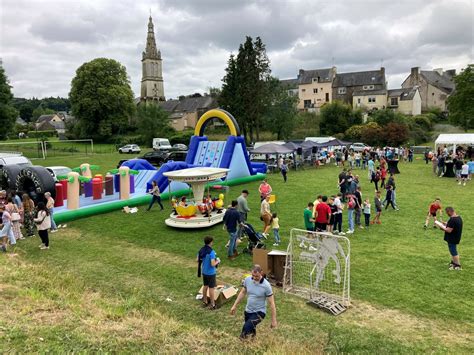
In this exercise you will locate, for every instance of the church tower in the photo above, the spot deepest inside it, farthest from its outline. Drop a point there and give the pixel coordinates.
(152, 78)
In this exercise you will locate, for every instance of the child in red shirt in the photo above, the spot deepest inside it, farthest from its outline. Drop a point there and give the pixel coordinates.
(433, 211)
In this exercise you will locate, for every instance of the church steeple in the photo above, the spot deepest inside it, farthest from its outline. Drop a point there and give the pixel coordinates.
(152, 88)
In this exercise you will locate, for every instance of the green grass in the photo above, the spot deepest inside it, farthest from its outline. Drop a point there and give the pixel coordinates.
(103, 285)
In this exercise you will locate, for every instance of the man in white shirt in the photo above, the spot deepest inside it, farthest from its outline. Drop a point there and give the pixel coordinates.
(464, 173)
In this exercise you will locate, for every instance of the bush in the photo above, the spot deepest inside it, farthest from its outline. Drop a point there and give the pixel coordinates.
(181, 137)
(42, 134)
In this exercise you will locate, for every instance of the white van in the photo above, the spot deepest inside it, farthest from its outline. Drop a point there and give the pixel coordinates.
(14, 159)
(161, 144)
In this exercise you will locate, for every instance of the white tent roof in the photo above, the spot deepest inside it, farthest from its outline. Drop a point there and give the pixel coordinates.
(455, 138)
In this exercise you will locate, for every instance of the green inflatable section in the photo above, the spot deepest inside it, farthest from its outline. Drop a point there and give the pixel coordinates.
(66, 216)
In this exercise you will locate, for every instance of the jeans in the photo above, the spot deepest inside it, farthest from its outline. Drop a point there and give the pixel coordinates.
(232, 243)
(153, 200)
(338, 222)
(53, 224)
(250, 325)
(357, 216)
(276, 235)
(7, 231)
(350, 216)
(394, 197)
(367, 219)
(358, 163)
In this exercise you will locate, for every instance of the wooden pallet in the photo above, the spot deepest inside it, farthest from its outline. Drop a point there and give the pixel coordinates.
(327, 304)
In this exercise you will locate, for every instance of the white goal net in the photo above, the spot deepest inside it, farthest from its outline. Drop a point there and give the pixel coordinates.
(318, 269)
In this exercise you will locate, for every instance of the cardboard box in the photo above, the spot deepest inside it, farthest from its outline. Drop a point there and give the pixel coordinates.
(276, 262)
(222, 293)
(260, 257)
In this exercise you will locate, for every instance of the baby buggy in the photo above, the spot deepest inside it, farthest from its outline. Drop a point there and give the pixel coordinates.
(255, 239)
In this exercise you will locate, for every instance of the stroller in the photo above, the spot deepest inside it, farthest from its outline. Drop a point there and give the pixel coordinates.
(255, 239)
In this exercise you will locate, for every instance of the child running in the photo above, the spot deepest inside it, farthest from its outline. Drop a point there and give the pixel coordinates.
(435, 206)
(276, 229)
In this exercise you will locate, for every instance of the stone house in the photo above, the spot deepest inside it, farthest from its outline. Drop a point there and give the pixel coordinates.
(368, 85)
(405, 100)
(435, 86)
(315, 88)
(369, 100)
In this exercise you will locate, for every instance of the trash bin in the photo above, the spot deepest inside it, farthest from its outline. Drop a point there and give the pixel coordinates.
(109, 185)
(88, 189)
(97, 188)
(59, 200)
(64, 183)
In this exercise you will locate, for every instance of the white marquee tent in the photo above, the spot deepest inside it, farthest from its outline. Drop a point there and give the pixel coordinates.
(454, 140)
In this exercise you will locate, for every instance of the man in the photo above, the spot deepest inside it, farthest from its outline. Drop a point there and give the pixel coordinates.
(342, 184)
(337, 229)
(231, 219)
(435, 206)
(316, 203)
(243, 208)
(308, 217)
(464, 173)
(50, 207)
(458, 163)
(258, 290)
(452, 235)
(371, 168)
(323, 215)
(207, 259)
(266, 215)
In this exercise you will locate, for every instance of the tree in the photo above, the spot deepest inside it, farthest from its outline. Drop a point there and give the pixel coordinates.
(395, 134)
(337, 117)
(281, 113)
(152, 121)
(461, 102)
(37, 112)
(101, 99)
(8, 114)
(386, 116)
(371, 134)
(245, 86)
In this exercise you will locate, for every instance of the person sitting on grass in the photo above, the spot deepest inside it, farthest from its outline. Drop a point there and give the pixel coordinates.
(207, 261)
(378, 208)
(435, 206)
(6, 233)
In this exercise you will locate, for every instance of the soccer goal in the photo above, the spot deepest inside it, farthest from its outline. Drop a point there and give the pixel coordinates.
(69, 147)
(318, 269)
(30, 149)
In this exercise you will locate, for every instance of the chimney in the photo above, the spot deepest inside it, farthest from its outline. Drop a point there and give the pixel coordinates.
(451, 72)
(382, 70)
(414, 77)
(439, 71)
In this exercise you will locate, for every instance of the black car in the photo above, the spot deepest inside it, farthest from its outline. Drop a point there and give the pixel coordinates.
(158, 158)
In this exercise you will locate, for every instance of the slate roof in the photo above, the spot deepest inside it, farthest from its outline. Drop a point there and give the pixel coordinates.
(47, 118)
(369, 92)
(20, 121)
(403, 94)
(306, 76)
(290, 83)
(189, 104)
(372, 77)
(443, 82)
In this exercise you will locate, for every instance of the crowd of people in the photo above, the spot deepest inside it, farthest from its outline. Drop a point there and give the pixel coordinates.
(21, 217)
(462, 163)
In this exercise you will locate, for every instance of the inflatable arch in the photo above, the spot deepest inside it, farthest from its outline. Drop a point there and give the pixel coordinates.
(223, 115)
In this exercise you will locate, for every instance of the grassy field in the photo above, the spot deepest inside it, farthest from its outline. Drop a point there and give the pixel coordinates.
(127, 283)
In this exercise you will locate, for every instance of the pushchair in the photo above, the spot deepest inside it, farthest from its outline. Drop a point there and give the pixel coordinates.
(255, 239)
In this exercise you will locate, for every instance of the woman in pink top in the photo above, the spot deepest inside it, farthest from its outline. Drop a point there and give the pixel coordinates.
(265, 189)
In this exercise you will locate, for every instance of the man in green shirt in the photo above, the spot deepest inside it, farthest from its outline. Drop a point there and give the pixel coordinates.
(308, 217)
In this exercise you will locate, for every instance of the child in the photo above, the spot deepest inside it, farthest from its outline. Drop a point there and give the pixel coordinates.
(464, 173)
(284, 170)
(6, 232)
(350, 213)
(366, 206)
(388, 198)
(334, 209)
(435, 206)
(378, 208)
(276, 229)
(43, 223)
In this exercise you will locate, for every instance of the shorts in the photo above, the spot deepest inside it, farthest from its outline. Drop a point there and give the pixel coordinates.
(320, 226)
(266, 218)
(378, 210)
(458, 173)
(464, 176)
(433, 214)
(209, 280)
(453, 249)
(332, 220)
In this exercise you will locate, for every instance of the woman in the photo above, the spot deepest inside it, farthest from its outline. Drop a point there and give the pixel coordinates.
(14, 212)
(265, 190)
(29, 215)
(6, 232)
(155, 193)
(43, 223)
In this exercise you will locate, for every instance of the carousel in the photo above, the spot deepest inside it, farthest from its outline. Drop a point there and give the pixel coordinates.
(202, 210)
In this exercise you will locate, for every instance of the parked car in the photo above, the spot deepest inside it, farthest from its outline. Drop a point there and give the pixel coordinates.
(129, 148)
(56, 171)
(179, 146)
(359, 147)
(158, 158)
(155, 157)
(161, 144)
(14, 159)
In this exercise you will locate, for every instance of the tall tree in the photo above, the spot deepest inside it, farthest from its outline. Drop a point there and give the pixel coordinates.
(337, 117)
(152, 121)
(281, 112)
(461, 103)
(8, 114)
(101, 99)
(245, 90)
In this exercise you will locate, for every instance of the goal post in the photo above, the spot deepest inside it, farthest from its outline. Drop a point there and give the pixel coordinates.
(69, 147)
(318, 269)
(30, 149)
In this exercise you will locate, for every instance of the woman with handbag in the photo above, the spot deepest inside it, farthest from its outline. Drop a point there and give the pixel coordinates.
(15, 218)
(43, 223)
(29, 215)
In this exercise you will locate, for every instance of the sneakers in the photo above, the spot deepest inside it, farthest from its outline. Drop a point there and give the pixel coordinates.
(378, 222)
(41, 245)
(44, 247)
(54, 230)
(4, 248)
(361, 227)
(425, 226)
(342, 233)
(459, 183)
(455, 267)
(311, 248)
(464, 184)
(276, 244)
(350, 232)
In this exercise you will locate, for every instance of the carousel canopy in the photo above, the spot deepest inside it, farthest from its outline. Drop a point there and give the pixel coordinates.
(196, 174)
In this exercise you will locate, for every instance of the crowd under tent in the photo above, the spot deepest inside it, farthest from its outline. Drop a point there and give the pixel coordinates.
(454, 140)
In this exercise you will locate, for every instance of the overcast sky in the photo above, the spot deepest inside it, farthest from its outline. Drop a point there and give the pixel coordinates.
(43, 42)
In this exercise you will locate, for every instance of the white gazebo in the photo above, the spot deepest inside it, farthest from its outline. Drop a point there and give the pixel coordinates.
(454, 140)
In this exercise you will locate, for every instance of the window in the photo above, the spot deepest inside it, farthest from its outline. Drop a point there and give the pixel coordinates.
(327, 97)
(394, 101)
(341, 91)
(307, 103)
(321, 89)
(303, 90)
(368, 87)
(315, 91)
(315, 80)
(358, 100)
(371, 99)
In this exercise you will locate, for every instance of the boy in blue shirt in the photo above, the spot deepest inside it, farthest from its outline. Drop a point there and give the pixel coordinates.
(208, 260)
